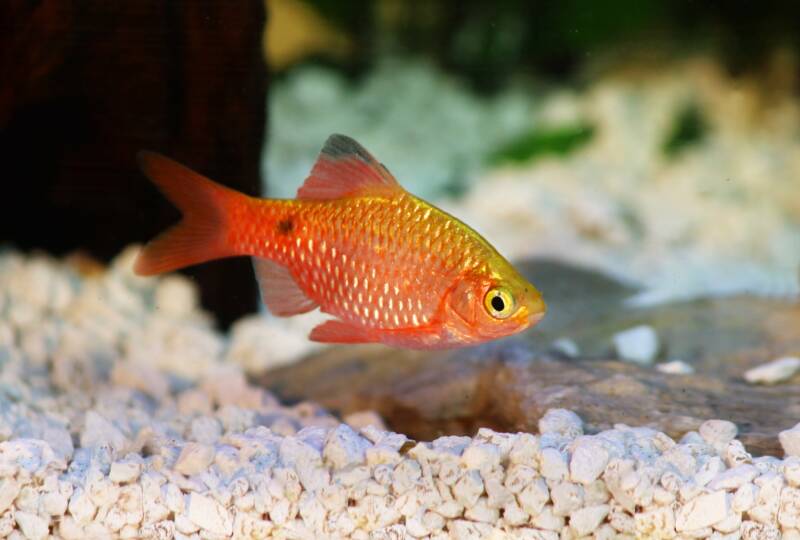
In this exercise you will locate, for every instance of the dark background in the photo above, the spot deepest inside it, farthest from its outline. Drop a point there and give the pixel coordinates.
(86, 84)
(490, 42)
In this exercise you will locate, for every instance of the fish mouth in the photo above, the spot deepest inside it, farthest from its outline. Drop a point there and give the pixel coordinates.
(527, 317)
(536, 312)
(534, 318)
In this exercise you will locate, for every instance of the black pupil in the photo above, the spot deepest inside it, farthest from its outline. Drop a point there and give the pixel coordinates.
(498, 304)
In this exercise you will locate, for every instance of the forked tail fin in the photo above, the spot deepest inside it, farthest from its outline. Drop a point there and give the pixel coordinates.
(202, 234)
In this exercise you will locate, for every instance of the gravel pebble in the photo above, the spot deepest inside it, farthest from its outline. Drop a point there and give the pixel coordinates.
(702, 511)
(32, 526)
(208, 514)
(790, 441)
(718, 433)
(124, 471)
(194, 458)
(585, 520)
(589, 460)
(561, 422)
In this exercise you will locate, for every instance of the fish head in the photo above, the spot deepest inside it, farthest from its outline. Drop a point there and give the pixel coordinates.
(495, 303)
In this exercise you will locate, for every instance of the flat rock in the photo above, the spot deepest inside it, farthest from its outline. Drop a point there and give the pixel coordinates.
(508, 385)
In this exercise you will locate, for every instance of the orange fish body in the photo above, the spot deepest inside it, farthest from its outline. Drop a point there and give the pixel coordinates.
(388, 266)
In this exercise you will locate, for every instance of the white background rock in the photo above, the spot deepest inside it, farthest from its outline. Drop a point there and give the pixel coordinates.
(638, 344)
(773, 372)
(567, 347)
(675, 367)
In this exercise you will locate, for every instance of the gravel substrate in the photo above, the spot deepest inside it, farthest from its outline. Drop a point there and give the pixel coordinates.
(123, 414)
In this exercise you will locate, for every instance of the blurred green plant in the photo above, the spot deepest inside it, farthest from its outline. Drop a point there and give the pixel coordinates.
(541, 142)
(688, 129)
(492, 42)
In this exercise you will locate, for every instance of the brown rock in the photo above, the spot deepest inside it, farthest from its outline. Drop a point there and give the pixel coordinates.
(508, 385)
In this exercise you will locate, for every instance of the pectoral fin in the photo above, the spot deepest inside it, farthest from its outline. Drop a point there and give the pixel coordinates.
(280, 292)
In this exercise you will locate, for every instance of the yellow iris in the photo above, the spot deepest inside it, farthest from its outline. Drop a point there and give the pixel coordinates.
(499, 303)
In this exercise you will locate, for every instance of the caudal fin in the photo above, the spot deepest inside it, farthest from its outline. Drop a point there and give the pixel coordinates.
(205, 205)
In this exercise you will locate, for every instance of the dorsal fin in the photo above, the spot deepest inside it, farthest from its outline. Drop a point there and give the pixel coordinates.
(345, 169)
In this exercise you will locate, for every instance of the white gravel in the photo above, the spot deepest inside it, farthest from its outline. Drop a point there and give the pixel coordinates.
(790, 441)
(123, 415)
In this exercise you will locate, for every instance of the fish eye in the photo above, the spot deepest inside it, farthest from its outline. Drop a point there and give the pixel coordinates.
(499, 303)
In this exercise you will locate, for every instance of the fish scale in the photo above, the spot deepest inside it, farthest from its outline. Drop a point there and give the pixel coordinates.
(388, 266)
(357, 244)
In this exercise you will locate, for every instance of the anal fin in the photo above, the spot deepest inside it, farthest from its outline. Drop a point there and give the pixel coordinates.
(340, 332)
(280, 292)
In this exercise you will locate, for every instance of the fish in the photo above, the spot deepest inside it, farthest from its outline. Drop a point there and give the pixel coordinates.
(387, 266)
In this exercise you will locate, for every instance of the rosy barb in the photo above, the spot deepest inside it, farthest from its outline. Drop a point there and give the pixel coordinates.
(388, 266)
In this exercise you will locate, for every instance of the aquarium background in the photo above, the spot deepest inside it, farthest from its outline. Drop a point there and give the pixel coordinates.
(637, 161)
(655, 141)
